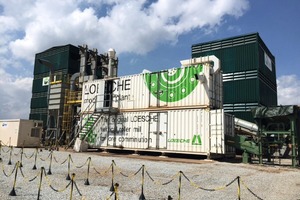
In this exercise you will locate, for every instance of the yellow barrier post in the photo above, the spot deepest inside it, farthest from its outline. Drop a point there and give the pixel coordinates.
(13, 192)
(88, 172)
(72, 186)
(69, 160)
(112, 188)
(142, 196)
(116, 191)
(49, 170)
(0, 150)
(179, 185)
(21, 159)
(35, 157)
(40, 184)
(10, 154)
(239, 188)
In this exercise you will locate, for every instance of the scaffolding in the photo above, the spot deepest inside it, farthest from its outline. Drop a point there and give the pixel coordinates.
(71, 102)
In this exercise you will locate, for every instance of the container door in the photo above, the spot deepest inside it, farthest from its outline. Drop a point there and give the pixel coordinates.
(152, 131)
(217, 131)
(158, 131)
(162, 131)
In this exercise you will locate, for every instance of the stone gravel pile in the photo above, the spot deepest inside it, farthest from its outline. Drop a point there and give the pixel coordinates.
(94, 175)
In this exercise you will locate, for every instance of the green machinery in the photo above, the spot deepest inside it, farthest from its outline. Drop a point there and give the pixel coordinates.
(277, 127)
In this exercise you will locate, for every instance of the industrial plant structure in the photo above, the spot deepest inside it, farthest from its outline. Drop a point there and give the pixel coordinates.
(204, 106)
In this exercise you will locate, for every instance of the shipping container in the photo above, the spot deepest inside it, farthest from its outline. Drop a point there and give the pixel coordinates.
(194, 86)
(199, 131)
(21, 132)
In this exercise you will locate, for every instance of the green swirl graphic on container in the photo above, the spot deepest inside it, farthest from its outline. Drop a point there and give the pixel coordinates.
(173, 85)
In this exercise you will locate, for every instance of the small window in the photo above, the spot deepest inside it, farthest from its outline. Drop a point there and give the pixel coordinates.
(35, 132)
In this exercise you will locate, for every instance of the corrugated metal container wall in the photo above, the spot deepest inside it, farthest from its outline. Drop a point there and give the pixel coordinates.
(130, 92)
(187, 130)
(168, 89)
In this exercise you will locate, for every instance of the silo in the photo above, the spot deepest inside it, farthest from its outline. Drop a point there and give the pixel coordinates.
(249, 72)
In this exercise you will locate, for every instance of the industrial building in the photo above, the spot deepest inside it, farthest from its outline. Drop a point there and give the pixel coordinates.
(249, 72)
(204, 107)
(57, 85)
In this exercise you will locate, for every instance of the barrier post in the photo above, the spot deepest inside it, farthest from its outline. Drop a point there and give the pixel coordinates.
(49, 170)
(35, 157)
(0, 150)
(72, 185)
(69, 160)
(116, 190)
(10, 154)
(88, 172)
(21, 159)
(239, 188)
(112, 188)
(142, 196)
(13, 192)
(40, 184)
(179, 185)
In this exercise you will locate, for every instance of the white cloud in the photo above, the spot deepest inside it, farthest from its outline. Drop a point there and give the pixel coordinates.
(135, 26)
(288, 90)
(15, 96)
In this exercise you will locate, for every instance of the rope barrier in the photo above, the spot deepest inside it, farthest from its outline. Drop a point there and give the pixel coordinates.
(28, 180)
(6, 151)
(47, 156)
(16, 154)
(28, 157)
(80, 166)
(255, 195)
(207, 189)
(102, 174)
(5, 174)
(159, 182)
(118, 169)
(113, 168)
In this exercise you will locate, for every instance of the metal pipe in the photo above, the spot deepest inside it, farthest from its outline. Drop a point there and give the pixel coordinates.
(72, 81)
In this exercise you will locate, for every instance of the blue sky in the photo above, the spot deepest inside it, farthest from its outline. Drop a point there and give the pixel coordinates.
(151, 35)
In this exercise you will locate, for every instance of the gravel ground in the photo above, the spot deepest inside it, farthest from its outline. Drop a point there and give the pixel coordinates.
(161, 178)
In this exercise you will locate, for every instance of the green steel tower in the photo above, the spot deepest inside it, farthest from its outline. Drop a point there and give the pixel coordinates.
(249, 73)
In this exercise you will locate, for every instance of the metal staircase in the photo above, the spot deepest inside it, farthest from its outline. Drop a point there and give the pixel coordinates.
(86, 131)
(90, 117)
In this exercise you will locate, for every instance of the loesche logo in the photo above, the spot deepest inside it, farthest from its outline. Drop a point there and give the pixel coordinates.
(174, 84)
(196, 140)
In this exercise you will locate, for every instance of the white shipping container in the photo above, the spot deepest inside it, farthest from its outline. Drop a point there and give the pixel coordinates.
(21, 132)
(200, 131)
(196, 86)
